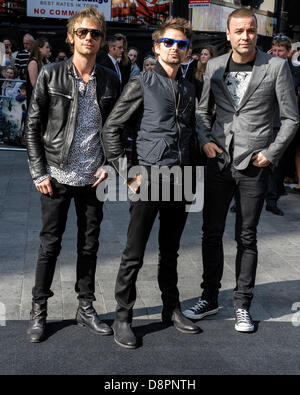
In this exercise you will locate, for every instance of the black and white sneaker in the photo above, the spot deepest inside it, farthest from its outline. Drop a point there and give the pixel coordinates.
(201, 309)
(243, 321)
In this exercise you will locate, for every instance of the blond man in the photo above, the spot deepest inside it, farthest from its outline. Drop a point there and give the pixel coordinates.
(69, 105)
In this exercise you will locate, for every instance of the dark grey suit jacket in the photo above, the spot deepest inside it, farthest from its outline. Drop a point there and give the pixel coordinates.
(251, 123)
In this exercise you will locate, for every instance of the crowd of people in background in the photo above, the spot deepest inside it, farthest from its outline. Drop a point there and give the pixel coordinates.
(19, 70)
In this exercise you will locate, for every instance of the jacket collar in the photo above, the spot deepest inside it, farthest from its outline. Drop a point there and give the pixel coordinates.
(158, 68)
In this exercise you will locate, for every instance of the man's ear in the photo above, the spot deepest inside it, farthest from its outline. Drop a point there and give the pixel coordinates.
(156, 48)
(227, 35)
(70, 38)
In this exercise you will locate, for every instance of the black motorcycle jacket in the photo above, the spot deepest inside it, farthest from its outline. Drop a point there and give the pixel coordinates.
(52, 113)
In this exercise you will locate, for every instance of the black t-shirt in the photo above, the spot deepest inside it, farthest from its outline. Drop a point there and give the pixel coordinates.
(237, 77)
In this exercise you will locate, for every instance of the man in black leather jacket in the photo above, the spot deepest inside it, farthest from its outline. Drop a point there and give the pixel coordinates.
(162, 110)
(70, 103)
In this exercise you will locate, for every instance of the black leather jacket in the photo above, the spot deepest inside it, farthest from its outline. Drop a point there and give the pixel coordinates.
(164, 114)
(52, 113)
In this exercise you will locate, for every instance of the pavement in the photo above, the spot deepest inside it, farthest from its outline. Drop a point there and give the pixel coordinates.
(274, 306)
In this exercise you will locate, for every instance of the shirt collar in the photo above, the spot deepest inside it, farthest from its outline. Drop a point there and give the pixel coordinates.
(113, 59)
(92, 76)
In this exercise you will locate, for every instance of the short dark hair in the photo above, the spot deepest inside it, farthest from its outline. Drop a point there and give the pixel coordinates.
(173, 23)
(241, 13)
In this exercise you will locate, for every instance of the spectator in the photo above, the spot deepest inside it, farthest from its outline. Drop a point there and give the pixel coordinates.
(125, 62)
(149, 63)
(133, 54)
(23, 56)
(10, 88)
(61, 56)
(114, 59)
(206, 53)
(8, 58)
(188, 67)
(37, 58)
(281, 47)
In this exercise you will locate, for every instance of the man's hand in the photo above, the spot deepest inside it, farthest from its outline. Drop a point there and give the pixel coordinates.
(134, 183)
(211, 150)
(101, 174)
(45, 187)
(259, 160)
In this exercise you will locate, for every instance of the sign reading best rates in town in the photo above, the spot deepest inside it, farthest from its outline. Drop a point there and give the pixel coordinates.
(65, 9)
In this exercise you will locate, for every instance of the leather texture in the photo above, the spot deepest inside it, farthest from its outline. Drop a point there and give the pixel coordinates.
(52, 113)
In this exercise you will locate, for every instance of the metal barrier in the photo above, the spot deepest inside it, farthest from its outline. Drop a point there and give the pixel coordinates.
(13, 111)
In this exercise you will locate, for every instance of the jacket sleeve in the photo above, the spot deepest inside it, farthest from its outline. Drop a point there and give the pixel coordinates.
(124, 110)
(204, 111)
(35, 126)
(289, 117)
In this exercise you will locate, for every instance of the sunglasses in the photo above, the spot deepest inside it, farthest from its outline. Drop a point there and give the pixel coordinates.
(280, 37)
(169, 42)
(82, 33)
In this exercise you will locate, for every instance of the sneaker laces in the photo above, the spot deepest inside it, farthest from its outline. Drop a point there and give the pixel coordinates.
(243, 315)
(199, 305)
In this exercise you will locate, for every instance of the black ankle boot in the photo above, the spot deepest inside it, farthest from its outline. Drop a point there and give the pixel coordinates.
(37, 326)
(123, 334)
(87, 316)
(180, 322)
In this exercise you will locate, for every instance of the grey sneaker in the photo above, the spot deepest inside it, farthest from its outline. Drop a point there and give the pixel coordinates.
(243, 321)
(201, 309)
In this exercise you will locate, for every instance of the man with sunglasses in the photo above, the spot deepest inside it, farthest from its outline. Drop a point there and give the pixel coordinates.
(244, 85)
(161, 109)
(70, 102)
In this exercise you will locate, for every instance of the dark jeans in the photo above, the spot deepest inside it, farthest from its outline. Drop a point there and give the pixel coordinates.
(172, 217)
(54, 218)
(249, 187)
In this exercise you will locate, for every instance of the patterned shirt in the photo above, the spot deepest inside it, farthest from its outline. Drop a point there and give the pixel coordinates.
(85, 154)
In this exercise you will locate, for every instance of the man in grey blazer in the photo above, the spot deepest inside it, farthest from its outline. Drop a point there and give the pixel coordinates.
(244, 85)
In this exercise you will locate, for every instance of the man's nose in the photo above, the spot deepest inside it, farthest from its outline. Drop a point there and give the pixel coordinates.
(245, 35)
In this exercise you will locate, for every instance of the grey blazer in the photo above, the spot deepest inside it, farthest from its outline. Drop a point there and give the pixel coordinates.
(251, 122)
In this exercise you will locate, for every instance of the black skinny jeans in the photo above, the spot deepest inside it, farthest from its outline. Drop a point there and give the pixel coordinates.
(54, 217)
(249, 187)
(172, 216)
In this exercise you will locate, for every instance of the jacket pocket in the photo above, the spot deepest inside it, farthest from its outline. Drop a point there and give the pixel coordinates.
(60, 93)
(152, 150)
(257, 143)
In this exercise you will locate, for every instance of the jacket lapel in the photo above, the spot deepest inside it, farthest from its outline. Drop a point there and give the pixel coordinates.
(258, 74)
(221, 77)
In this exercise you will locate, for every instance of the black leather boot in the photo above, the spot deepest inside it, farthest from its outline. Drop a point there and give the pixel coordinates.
(180, 322)
(37, 326)
(123, 334)
(87, 316)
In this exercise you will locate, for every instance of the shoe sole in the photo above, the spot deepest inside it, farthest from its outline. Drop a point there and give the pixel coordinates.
(95, 333)
(188, 332)
(245, 330)
(171, 323)
(200, 316)
(125, 345)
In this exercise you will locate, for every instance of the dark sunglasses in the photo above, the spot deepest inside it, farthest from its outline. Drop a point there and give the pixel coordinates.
(169, 42)
(281, 38)
(82, 33)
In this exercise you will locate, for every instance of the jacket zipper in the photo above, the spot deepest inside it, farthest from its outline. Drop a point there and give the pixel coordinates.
(176, 115)
(68, 123)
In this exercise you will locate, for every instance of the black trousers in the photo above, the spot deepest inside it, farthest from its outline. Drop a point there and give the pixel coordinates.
(54, 218)
(249, 187)
(172, 217)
